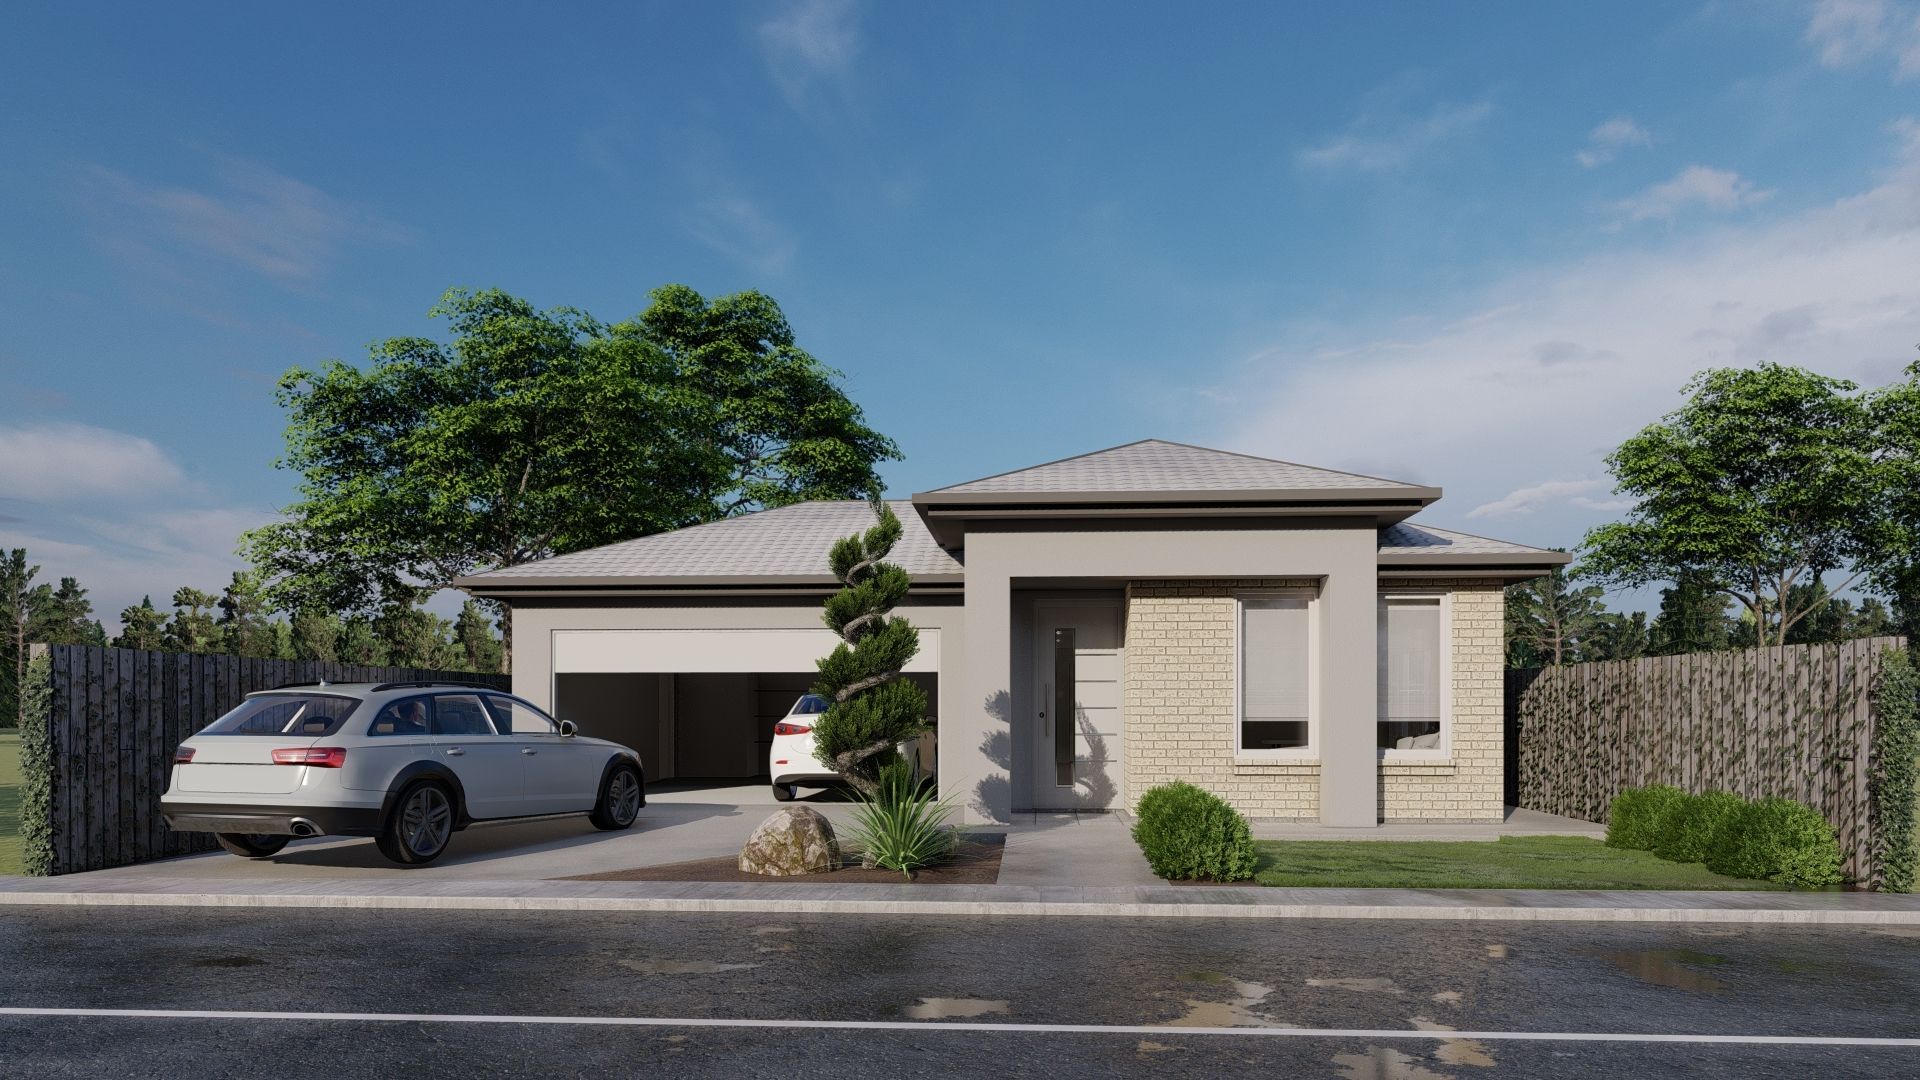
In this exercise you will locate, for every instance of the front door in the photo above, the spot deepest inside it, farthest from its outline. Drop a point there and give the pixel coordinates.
(1077, 714)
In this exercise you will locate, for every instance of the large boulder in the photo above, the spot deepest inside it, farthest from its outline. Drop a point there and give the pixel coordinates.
(795, 840)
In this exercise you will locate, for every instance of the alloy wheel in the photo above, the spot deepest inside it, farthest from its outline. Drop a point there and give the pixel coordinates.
(427, 821)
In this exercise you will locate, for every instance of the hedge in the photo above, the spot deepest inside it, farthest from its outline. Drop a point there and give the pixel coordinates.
(1692, 825)
(1778, 840)
(1893, 788)
(1188, 834)
(36, 768)
(1634, 816)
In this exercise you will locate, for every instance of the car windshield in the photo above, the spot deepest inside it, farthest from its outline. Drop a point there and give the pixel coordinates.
(808, 705)
(285, 714)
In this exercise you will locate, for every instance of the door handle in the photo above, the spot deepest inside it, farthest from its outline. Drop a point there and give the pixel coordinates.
(454, 751)
(528, 750)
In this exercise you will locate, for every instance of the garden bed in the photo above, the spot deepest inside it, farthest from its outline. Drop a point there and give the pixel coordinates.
(975, 862)
(1511, 862)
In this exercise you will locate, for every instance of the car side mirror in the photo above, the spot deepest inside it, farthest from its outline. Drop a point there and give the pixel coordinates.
(567, 728)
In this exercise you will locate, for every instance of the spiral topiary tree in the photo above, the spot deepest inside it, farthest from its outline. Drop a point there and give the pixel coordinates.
(871, 708)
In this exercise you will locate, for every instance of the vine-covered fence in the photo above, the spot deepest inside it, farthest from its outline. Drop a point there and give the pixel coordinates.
(1793, 720)
(99, 754)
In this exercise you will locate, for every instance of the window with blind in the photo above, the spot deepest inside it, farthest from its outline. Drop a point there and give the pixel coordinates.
(1412, 662)
(1274, 671)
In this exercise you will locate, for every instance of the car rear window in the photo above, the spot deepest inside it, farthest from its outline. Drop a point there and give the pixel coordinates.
(809, 705)
(285, 714)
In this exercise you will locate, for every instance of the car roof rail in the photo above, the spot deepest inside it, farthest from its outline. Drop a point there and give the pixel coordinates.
(407, 684)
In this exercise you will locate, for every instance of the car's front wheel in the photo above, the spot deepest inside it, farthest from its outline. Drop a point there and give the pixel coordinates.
(421, 825)
(619, 799)
(251, 845)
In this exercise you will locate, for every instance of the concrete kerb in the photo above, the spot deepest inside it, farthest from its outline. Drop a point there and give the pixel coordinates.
(1808, 909)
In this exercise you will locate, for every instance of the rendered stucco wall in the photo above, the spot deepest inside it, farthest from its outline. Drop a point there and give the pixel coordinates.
(1467, 786)
(1182, 723)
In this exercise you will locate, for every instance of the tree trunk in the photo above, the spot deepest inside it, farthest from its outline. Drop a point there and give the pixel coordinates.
(506, 640)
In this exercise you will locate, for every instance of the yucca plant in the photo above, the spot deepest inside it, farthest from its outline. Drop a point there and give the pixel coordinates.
(901, 827)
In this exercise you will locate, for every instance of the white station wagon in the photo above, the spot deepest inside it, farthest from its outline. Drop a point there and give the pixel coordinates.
(408, 763)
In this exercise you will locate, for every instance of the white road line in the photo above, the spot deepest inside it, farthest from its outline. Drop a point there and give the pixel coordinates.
(978, 1026)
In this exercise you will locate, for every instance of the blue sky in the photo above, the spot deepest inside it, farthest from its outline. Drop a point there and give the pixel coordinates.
(1472, 246)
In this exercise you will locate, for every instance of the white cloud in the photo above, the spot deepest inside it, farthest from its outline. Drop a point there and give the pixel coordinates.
(1372, 146)
(1851, 32)
(1695, 185)
(742, 230)
(1527, 499)
(811, 42)
(131, 555)
(1605, 142)
(247, 215)
(1537, 378)
(65, 462)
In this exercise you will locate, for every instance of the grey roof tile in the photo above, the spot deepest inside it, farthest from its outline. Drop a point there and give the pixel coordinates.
(1154, 465)
(1408, 538)
(787, 542)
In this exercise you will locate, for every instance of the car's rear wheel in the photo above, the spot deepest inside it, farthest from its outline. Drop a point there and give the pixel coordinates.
(421, 825)
(251, 845)
(783, 792)
(619, 799)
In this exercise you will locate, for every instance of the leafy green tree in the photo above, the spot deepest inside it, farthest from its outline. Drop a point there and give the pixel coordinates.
(534, 433)
(415, 637)
(65, 617)
(315, 635)
(142, 626)
(1692, 618)
(246, 627)
(1547, 617)
(1762, 479)
(21, 601)
(1614, 635)
(473, 635)
(871, 709)
(359, 643)
(193, 627)
(1892, 552)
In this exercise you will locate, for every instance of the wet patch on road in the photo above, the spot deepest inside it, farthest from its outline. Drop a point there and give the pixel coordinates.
(682, 967)
(1384, 1063)
(1674, 968)
(941, 1008)
(1237, 1012)
(1358, 986)
(1456, 1051)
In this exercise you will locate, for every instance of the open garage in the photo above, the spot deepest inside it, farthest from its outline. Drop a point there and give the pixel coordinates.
(698, 704)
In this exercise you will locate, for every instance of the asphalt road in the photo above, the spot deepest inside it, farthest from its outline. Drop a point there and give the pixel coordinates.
(1117, 975)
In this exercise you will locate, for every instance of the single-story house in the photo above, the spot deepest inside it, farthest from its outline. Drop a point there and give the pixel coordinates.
(1282, 635)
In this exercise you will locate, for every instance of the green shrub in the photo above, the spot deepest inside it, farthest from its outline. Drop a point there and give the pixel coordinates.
(1780, 840)
(36, 769)
(1693, 824)
(1893, 778)
(1192, 835)
(1633, 818)
(901, 826)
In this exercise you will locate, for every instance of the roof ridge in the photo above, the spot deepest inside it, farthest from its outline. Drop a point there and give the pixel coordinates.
(1281, 461)
(1410, 523)
(1045, 464)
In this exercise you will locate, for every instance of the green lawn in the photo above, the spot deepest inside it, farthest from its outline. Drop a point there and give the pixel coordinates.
(9, 802)
(1512, 862)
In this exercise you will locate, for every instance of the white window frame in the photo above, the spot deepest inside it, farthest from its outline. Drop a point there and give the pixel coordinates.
(1443, 751)
(1311, 751)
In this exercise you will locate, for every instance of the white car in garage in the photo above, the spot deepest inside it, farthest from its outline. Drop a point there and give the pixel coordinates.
(791, 763)
(408, 763)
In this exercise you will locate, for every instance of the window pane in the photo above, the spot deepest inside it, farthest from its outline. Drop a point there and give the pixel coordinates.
(284, 714)
(1409, 686)
(518, 717)
(460, 714)
(401, 718)
(1273, 673)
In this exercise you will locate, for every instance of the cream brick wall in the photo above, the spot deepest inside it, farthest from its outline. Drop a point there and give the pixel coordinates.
(1181, 715)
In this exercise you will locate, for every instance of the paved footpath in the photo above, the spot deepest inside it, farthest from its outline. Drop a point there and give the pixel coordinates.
(329, 993)
(152, 887)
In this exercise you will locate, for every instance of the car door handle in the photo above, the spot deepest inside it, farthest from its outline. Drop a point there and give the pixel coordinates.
(454, 751)
(528, 750)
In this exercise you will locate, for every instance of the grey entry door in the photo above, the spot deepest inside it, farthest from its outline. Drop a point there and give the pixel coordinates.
(1076, 711)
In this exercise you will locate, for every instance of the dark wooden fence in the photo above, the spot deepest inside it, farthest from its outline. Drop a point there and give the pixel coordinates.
(116, 716)
(1792, 720)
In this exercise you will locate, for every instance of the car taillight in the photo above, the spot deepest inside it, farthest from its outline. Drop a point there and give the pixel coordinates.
(320, 757)
(786, 728)
(182, 755)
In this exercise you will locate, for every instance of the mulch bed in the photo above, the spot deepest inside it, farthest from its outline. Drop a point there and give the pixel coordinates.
(976, 862)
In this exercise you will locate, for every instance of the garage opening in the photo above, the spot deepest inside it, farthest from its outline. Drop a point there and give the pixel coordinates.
(692, 727)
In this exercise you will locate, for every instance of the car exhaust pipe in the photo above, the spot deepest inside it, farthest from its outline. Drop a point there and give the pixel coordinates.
(303, 827)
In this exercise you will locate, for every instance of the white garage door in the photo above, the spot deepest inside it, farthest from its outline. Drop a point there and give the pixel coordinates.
(708, 651)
